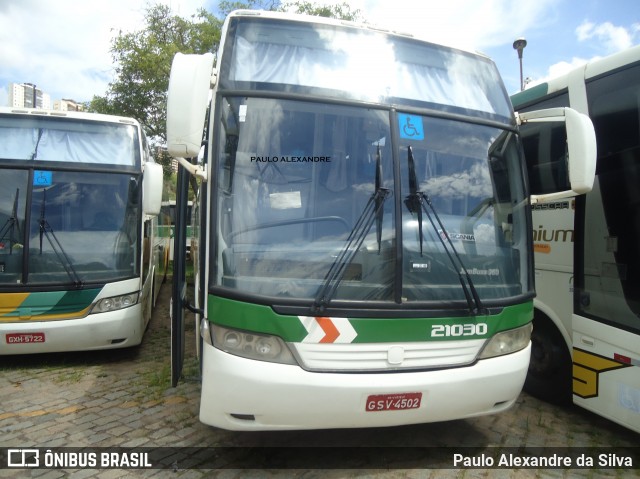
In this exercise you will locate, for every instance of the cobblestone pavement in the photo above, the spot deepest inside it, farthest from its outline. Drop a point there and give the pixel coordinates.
(123, 398)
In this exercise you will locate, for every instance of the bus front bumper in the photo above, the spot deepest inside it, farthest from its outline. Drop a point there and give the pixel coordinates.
(117, 329)
(242, 394)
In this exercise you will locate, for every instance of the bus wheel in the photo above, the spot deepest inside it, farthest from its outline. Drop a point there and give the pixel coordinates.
(550, 369)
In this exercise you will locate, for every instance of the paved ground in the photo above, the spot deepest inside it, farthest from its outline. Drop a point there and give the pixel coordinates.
(122, 398)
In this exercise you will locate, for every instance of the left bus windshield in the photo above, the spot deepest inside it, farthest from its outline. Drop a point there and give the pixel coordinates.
(67, 226)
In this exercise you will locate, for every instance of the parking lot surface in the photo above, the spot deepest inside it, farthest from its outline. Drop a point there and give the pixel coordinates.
(123, 398)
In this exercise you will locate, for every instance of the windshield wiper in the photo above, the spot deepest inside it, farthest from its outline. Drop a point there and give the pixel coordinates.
(34, 155)
(47, 231)
(11, 225)
(372, 212)
(417, 202)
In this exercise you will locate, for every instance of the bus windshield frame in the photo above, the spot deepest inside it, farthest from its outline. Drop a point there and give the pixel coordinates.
(304, 188)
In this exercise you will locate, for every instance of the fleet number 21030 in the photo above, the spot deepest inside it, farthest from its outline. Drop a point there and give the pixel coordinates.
(458, 330)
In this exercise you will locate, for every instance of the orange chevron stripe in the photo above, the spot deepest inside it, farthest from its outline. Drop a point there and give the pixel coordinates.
(331, 333)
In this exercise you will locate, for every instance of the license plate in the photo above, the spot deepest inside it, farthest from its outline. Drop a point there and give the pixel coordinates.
(24, 338)
(393, 402)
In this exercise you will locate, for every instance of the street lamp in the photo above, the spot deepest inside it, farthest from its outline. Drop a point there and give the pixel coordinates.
(519, 45)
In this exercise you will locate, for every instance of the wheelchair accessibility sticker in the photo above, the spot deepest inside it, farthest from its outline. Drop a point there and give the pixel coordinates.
(42, 178)
(410, 126)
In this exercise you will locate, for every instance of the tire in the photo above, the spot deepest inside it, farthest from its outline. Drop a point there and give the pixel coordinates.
(550, 370)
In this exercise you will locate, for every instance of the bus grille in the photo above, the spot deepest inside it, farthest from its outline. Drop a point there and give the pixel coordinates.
(387, 356)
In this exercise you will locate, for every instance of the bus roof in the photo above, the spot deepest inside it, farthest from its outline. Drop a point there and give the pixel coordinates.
(591, 69)
(79, 115)
(333, 21)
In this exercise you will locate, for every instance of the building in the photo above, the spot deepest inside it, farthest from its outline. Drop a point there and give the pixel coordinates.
(27, 95)
(67, 104)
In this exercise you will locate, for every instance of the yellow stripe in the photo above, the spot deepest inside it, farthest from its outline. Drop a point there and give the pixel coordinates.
(9, 302)
(591, 361)
(48, 317)
(586, 372)
(74, 314)
(585, 381)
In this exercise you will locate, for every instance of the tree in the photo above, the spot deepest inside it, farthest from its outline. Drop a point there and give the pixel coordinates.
(142, 62)
(142, 59)
(341, 11)
(226, 7)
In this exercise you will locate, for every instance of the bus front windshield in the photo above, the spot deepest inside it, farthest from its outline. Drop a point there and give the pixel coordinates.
(316, 202)
(69, 227)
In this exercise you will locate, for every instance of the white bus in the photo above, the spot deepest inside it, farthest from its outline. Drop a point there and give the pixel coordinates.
(364, 248)
(587, 249)
(79, 196)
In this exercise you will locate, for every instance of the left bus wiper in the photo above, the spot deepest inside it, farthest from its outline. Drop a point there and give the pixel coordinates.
(417, 202)
(47, 231)
(372, 212)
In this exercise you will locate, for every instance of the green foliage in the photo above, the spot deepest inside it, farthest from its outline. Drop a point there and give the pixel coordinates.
(226, 7)
(163, 158)
(142, 62)
(341, 11)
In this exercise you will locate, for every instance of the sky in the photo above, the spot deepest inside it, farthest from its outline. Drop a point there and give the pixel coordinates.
(62, 46)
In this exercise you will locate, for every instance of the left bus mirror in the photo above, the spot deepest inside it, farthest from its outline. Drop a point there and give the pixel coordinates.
(152, 182)
(551, 174)
(187, 101)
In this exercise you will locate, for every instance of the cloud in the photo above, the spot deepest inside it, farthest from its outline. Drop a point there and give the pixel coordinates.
(613, 38)
(469, 25)
(64, 46)
(605, 37)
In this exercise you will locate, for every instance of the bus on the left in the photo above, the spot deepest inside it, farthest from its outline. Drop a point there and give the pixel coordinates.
(79, 256)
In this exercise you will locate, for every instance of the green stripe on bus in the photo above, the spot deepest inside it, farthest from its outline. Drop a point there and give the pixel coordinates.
(262, 319)
(530, 94)
(56, 302)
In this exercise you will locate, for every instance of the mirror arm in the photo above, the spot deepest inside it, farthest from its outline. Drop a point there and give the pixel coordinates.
(195, 170)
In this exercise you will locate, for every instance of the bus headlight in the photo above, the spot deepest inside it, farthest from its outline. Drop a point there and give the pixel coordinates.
(261, 347)
(115, 302)
(507, 342)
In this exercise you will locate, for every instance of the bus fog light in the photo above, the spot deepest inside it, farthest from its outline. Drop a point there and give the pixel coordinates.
(115, 302)
(507, 342)
(261, 347)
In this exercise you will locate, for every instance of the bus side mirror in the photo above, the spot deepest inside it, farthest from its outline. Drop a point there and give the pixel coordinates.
(152, 183)
(581, 150)
(187, 100)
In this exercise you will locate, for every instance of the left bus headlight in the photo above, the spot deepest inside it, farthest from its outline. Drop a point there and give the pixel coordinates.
(114, 303)
(507, 342)
(261, 347)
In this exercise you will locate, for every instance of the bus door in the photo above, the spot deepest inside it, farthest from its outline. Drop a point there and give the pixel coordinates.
(606, 319)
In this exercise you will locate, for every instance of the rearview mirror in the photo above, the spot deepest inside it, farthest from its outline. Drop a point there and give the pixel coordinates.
(152, 182)
(569, 170)
(187, 102)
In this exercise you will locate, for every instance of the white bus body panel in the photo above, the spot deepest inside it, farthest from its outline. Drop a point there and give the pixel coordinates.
(96, 331)
(115, 329)
(282, 397)
(615, 387)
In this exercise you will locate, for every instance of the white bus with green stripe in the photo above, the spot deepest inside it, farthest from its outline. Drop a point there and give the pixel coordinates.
(586, 339)
(363, 250)
(79, 195)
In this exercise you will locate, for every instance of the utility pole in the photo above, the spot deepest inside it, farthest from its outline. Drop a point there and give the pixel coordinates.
(519, 45)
